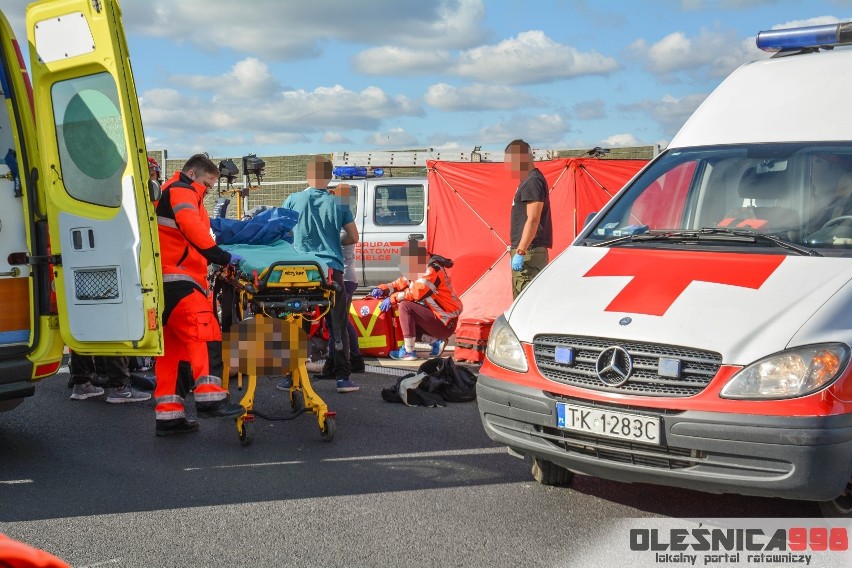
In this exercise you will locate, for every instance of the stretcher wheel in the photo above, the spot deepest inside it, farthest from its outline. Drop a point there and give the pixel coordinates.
(327, 433)
(297, 400)
(246, 437)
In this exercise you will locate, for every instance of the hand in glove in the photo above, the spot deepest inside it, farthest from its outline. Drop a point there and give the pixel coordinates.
(518, 262)
(377, 293)
(235, 258)
(385, 305)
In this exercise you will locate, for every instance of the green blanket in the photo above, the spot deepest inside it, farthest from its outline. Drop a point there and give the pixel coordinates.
(259, 257)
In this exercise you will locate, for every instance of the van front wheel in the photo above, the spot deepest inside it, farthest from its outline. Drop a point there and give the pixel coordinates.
(840, 506)
(548, 473)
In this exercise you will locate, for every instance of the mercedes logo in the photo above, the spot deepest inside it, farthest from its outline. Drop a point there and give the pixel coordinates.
(614, 366)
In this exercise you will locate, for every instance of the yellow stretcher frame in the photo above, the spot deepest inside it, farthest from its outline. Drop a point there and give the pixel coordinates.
(285, 291)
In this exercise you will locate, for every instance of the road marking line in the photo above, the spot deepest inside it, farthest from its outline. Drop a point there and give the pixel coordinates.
(16, 481)
(415, 455)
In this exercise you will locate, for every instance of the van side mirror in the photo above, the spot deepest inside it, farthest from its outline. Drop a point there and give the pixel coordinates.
(589, 217)
(154, 191)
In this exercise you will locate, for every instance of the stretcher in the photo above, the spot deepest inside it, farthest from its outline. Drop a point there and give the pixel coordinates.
(263, 313)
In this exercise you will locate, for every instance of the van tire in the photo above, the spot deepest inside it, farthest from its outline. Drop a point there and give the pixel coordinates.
(840, 506)
(548, 473)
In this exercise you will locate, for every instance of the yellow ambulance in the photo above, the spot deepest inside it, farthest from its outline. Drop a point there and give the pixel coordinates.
(78, 236)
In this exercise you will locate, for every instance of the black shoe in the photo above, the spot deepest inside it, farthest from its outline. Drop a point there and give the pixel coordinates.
(323, 376)
(356, 364)
(220, 409)
(176, 426)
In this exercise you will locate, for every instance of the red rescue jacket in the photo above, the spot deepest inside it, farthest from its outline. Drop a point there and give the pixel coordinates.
(432, 289)
(186, 245)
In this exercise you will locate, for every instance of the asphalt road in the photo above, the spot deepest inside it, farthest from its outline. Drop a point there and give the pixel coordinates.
(397, 486)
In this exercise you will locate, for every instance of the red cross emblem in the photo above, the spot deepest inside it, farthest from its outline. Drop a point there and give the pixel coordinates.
(661, 276)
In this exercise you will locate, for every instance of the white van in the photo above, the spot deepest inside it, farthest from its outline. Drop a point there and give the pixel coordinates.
(389, 211)
(698, 331)
(78, 236)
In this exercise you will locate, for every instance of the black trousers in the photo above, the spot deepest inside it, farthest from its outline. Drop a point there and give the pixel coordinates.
(84, 369)
(337, 319)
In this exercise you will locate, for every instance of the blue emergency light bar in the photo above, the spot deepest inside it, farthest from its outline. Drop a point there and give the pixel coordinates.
(349, 172)
(807, 37)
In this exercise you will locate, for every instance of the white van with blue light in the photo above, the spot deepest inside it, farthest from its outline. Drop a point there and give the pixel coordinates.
(698, 332)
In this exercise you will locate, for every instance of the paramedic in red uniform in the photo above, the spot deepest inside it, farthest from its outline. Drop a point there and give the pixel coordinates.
(531, 230)
(428, 305)
(186, 247)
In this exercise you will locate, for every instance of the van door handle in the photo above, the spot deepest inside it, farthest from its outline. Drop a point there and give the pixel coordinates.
(416, 237)
(14, 273)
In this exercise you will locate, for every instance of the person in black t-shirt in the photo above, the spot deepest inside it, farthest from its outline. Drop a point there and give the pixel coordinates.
(531, 227)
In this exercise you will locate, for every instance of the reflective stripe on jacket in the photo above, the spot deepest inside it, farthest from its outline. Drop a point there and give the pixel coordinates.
(432, 289)
(186, 245)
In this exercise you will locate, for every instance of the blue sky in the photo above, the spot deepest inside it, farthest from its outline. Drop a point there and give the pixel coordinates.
(275, 77)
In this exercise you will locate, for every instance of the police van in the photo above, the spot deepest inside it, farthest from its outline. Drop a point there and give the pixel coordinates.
(78, 235)
(698, 332)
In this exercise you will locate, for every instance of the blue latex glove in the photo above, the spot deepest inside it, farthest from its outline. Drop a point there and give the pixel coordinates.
(517, 262)
(385, 305)
(377, 293)
(235, 258)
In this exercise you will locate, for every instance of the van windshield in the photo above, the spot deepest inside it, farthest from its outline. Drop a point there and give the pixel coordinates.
(793, 193)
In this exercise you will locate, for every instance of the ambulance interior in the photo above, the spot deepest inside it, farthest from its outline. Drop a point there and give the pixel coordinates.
(798, 194)
(14, 279)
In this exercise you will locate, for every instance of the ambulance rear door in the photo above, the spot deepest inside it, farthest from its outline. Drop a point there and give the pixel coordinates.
(93, 170)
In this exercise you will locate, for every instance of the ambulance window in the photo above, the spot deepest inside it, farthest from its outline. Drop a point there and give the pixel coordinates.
(90, 135)
(400, 205)
(661, 205)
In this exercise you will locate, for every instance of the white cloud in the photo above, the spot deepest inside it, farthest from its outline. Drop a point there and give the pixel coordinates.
(284, 111)
(530, 58)
(247, 79)
(620, 141)
(285, 30)
(712, 54)
(815, 21)
(540, 130)
(393, 60)
(335, 138)
(670, 112)
(477, 97)
(393, 138)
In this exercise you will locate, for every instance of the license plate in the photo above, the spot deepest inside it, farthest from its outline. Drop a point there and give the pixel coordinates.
(608, 423)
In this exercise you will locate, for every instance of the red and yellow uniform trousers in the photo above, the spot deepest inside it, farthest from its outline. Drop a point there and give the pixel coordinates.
(184, 366)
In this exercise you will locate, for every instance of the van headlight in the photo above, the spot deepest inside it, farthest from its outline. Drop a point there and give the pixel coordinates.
(792, 373)
(504, 349)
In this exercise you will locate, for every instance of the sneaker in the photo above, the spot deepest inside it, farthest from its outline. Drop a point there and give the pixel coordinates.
(285, 384)
(176, 426)
(402, 354)
(84, 391)
(356, 364)
(220, 409)
(346, 385)
(438, 348)
(127, 394)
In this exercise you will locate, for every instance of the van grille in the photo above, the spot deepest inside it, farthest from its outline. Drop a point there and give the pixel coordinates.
(697, 368)
(622, 451)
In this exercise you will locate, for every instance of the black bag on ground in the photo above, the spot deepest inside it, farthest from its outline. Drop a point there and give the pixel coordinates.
(459, 384)
(437, 380)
